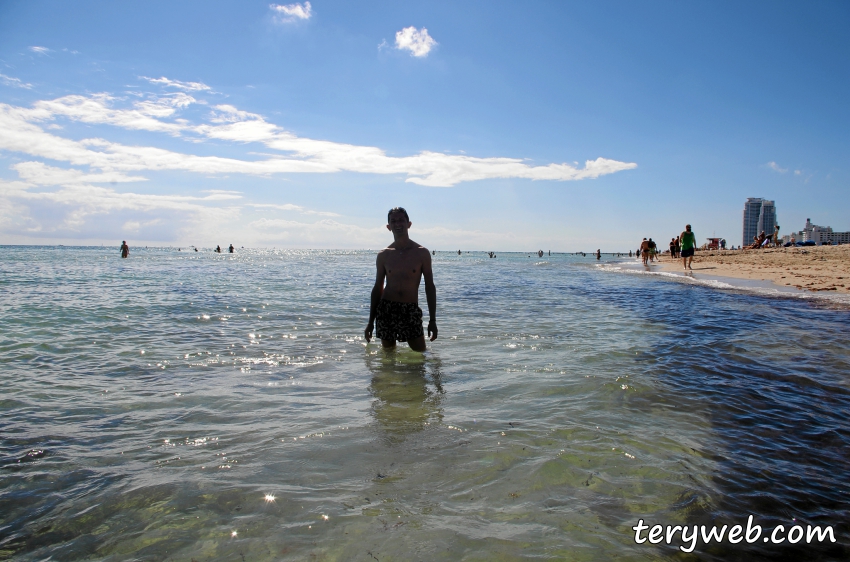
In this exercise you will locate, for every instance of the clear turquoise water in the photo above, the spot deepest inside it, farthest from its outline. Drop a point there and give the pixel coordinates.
(173, 393)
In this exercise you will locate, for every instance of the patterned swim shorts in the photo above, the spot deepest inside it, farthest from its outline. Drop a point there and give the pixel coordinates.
(399, 321)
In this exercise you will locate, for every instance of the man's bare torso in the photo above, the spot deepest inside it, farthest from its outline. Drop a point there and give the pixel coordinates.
(403, 270)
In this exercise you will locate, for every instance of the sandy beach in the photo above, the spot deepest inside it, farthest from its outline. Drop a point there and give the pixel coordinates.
(816, 268)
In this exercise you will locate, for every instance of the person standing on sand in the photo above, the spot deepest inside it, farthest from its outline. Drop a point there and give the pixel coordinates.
(125, 249)
(689, 244)
(396, 307)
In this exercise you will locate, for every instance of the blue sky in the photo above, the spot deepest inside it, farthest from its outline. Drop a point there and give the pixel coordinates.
(498, 125)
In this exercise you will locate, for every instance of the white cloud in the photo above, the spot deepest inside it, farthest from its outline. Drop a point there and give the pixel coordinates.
(14, 82)
(21, 132)
(798, 172)
(288, 13)
(186, 86)
(83, 200)
(39, 50)
(418, 42)
(42, 174)
(775, 167)
(145, 115)
(134, 226)
(291, 207)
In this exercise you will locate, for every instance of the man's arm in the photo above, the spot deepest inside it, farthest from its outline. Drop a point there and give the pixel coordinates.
(377, 292)
(430, 295)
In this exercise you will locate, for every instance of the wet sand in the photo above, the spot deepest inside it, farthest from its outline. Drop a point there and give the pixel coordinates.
(815, 268)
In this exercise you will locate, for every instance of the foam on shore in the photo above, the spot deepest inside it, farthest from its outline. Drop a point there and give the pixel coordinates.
(765, 288)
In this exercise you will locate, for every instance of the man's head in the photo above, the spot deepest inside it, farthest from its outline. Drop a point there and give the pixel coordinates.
(398, 222)
(688, 227)
(397, 210)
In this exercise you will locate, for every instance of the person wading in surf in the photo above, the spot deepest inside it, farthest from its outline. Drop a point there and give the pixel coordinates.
(395, 306)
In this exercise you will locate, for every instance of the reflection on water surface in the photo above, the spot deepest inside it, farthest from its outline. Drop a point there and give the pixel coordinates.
(562, 403)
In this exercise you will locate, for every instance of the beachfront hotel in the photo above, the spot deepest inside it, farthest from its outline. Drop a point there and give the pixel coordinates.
(819, 235)
(759, 216)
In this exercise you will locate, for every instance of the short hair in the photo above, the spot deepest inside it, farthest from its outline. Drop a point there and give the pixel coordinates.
(397, 210)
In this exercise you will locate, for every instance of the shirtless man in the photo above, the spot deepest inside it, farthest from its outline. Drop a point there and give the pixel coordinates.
(125, 249)
(644, 251)
(396, 306)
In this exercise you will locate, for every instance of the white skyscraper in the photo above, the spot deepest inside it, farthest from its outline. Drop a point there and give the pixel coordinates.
(759, 215)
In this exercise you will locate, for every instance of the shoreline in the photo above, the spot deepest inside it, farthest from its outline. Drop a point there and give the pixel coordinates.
(813, 268)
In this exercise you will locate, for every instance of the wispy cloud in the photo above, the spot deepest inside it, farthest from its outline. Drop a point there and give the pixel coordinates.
(418, 42)
(798, 172)
(185, 86)
(24, 130)
(288, 13)
(291, 207)
(14, 82)
(39, 50)
(41, 174)
(776, 168)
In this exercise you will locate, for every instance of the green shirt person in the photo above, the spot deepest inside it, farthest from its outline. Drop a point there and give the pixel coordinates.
(688, 240)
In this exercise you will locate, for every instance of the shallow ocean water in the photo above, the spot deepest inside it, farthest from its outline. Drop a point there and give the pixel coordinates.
(182, 406)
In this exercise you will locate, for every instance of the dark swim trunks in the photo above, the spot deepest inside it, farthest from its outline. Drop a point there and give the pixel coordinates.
(687, 253)
(399, 321)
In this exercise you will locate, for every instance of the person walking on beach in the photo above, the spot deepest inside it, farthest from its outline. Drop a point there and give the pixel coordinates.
(673, 248)
(689, 244)
(125, 249)
(395, 306)
(653, 249)
(643, 252)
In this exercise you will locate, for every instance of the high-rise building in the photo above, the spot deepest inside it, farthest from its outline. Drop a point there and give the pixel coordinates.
(759, 215)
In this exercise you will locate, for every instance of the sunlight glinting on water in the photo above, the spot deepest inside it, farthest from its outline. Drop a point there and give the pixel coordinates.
(214, 405)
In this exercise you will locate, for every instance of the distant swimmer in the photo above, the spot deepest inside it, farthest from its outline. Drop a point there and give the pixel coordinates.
(458, 252)
(539, 253)
(598, 253)
(433, 252)
(218, 249)
(125, 249)
(395, 306)
(230, 249)
(689, 244)
(196, 249)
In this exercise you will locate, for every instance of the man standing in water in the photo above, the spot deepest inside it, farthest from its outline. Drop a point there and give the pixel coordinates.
(125, 249)
(643, 251)
(689, 244)
(396, 307)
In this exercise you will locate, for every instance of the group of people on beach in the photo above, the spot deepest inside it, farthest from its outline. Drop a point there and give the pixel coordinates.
(764, 240)
(683, 246)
